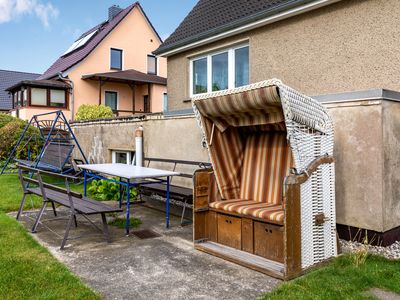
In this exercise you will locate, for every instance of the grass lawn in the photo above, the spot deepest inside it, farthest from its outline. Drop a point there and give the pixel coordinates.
(27, 270)
(341, 279)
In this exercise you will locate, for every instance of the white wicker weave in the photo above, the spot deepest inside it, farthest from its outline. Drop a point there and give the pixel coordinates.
(310, 135)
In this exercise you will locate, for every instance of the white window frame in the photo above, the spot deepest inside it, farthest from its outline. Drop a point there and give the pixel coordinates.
(111, 91)
(129, 156)
(231, 68)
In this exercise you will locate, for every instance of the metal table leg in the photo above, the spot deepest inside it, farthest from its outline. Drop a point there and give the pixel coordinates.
(84, 182)
(128, 204)
(167, 204)
(120, 193)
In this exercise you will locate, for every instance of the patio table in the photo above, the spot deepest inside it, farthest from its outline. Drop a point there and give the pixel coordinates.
(133, 176)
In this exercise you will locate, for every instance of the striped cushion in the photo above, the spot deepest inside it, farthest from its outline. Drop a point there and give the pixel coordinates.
(267, 160)
(262, 210)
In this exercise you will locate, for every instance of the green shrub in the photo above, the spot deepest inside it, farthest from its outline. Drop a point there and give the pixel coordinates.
(4, 119)
(108, 190)
(10, 133)
(90, 112)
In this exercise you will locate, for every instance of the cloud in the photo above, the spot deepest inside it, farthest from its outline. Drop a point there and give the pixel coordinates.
(10, 9)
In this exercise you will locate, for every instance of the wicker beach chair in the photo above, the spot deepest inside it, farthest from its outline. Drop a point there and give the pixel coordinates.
(268, 201)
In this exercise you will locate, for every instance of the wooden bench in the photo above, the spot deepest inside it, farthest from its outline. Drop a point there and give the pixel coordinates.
(77, 204)
(177, 192)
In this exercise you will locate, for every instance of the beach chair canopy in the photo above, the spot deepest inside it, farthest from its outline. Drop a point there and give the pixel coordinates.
(255, 135)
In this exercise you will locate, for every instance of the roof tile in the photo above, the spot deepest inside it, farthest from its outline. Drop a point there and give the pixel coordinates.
(210, 17)
(7, 79)
(67, 61)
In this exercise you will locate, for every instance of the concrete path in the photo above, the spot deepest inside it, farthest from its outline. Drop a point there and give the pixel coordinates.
(383, 295)
(166, 267)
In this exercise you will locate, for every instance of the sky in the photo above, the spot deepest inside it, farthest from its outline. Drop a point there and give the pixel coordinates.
(34, 33)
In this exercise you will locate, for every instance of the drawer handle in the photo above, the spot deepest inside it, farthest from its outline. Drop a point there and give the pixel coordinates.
(268, 230)
(227, 221)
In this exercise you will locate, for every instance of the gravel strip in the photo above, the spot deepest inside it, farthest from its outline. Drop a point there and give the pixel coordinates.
(390, 252)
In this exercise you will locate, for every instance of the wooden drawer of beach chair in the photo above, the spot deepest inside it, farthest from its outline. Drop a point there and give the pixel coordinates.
(268, 241)
(230, 231)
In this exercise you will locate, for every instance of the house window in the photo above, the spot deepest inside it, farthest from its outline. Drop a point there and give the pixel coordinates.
(146, 104)
(220, 71)
(111, 100)
(165, 102)
(122, 157)
(19, 98)
(200, 76)
(57, 98)
(25, 97)
(38, 96)
(219, 63)
(241, 66)
(151, 65)
(116, 59)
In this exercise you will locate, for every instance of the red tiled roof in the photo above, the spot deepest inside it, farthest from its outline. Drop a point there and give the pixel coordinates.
(67, 61)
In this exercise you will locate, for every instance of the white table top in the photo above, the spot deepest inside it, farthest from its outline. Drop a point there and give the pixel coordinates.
(127, 171)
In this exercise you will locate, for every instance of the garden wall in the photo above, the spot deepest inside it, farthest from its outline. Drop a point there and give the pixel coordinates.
(367, 152)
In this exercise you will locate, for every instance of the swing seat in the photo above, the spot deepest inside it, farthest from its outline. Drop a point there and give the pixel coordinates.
(54, 158)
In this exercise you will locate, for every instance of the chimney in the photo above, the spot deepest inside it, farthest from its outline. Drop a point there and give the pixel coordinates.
(113, 11)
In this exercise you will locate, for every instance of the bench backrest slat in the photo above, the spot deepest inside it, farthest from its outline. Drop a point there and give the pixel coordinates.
(58, 175)
(26, 179)
(175, 162)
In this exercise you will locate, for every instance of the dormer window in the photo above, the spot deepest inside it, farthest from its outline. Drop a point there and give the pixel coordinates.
(115, 59)
(151, 65)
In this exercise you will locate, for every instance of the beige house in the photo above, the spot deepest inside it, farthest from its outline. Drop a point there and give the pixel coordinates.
(318, 47)
(344, 53)
(110, 64)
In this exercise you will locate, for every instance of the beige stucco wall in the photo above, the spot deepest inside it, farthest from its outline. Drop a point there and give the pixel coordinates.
(26, 113)
(137, 39)
(367, 155)
(347, 46)
(173, 138)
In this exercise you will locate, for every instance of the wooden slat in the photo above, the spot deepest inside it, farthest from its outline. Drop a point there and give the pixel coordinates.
(25, 168)
(173, 189)
(247, 235)
(83, 205)
(211, 225)
(292, 231)
(52, 187)
(249, 260)
(199, 225)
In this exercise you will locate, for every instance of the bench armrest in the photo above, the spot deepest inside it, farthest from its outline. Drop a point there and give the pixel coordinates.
(311, 168)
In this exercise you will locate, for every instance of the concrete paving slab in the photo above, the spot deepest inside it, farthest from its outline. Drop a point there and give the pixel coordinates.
(383, 295)
(167, 267)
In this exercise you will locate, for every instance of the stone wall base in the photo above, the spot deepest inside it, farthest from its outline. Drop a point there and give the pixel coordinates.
(351, 233)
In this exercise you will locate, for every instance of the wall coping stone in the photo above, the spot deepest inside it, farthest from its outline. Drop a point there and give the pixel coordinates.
(365, 95)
